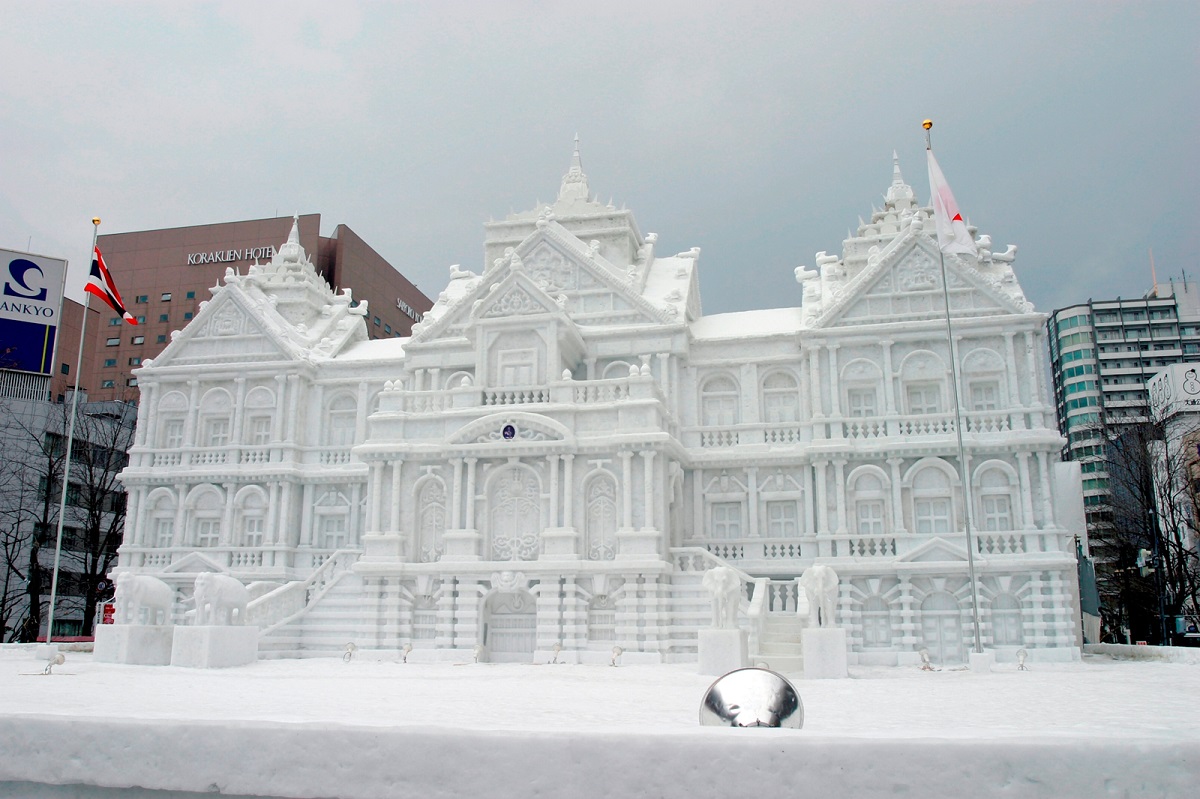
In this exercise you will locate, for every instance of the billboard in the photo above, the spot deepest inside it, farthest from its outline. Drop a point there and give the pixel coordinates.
(1176, 389)
(31, 289)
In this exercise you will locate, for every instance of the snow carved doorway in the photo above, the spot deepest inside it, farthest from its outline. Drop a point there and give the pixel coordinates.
(510, 627)
(941, 628)
(515, 502)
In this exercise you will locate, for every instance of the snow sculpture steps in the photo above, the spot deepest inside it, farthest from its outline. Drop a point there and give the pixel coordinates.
(779, 647)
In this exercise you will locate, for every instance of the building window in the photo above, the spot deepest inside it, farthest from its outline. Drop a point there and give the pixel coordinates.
(781, 519)
(333, 530)
(216, 432)
(65, 369)
(861, 402)
(172, 434)
(187, 316)
(997, 513)
(107, 384)
(114, 321)
(869, 513)
(162, 317)
(1006, 621)
(142, 298)
(387, 329)
(166, 297)
(191, 295)
(110, 361)
(138, 340)
(135, 361)
(924, 398)
(719, 402)
(161, 340)
(781, 398)
(208, 532)
(164, 532)
(131, 382)
(376, 320)
(985, 395)
(112, 342)
(260, 430)
(877, 622)
(932, 505)
(141, 320)
(727, 520)
(252, 535)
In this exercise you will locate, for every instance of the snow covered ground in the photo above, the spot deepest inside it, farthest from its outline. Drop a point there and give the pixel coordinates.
(323, 728)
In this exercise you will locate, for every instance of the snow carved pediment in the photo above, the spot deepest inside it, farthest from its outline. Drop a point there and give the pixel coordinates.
(904, 281)
(227, 329)
(516, 300)
(935, 550)
(511, 429)
(194, 563)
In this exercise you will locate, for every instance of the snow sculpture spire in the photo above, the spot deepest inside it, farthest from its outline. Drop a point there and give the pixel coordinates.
(574, 183)
(900, 195)
(291, 252)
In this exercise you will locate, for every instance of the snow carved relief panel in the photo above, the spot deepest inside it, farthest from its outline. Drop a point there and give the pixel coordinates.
(431, 520)
(601, 498)
(515, 503)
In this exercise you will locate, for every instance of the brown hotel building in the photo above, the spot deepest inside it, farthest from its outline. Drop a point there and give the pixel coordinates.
(164, 275)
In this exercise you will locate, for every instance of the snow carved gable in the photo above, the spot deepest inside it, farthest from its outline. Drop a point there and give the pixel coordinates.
(904, 282)
(226, 330)
(514, 301)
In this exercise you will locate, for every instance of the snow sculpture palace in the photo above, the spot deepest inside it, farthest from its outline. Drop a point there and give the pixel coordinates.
(563, 447)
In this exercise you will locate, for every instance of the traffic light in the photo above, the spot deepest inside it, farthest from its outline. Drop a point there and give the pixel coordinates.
(1145, 562)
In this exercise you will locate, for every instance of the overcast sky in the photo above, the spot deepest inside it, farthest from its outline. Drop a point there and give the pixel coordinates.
(758, 132)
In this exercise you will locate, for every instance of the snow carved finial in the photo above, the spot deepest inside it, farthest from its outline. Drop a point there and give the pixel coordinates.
(900, 195)
(574, 183)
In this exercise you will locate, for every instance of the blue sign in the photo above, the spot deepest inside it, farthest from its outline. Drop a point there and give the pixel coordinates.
(30, 310)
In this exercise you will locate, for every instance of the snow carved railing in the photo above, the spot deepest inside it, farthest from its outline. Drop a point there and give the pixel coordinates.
(516, 396)
(718, 438)
(256, 455)
(289, 602)
(865, 428)
(925, 425)
(161, 459)
(1000, 543)
(752, 548)
(333, 456)
(600, 391)
(864, 546)
(782, 434)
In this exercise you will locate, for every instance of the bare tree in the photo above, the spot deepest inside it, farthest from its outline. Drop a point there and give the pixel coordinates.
(1150, 528)
(34, 438)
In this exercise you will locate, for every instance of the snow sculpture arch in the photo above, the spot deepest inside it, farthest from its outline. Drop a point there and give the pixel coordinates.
(942, 627)
(341, 411)
(430, 496)
(205, 505)
(514, 512)
(780, 397)
(720, 401)
(600, 519)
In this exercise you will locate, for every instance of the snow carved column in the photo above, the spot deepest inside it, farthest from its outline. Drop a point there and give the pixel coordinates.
(552, 466)
(897, 497)
(839, 491)
(626, 489)
(648, 488)
(889, 380)
(227, 537)
(456, 494)
(752, 500)
(1026, 491)
(1044, 482)
(568, 490)
(470, 522)
(394, 515)
(821, 501)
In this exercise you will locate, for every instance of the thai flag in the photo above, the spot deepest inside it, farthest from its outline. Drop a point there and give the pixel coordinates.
(101, 284)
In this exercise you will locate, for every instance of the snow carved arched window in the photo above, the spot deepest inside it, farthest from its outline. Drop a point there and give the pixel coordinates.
(206, 519)
(877, 622)
(332, 513)
(253, 515)
(869, 497)
(996, 494)
(780, 398)
(341, 418)
(162, 522)
(260, 416)
(431, 520)
(933, 502)
(216, 413)
(601, 499)
(515, 503)
(172, 417)
(1006, 621)
(719, 402)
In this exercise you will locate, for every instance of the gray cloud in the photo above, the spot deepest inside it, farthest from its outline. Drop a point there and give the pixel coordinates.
(757, 132)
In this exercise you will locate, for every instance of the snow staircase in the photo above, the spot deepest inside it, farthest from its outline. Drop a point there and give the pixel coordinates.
(331, 622)
(779, 647)
(690, 608)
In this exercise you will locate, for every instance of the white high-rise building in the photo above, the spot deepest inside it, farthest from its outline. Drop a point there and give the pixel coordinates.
(566, 443)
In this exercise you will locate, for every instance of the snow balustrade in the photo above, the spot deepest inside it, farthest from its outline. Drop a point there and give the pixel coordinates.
(854, 428)
(561, 392)
(760, 595)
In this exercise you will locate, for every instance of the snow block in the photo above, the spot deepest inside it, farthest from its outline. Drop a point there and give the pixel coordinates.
(134, 644)
(214, 647)
(722, 651)
(824, 653)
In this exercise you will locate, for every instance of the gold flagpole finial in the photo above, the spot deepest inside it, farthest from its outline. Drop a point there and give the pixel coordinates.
(927, 124)
(96, 221)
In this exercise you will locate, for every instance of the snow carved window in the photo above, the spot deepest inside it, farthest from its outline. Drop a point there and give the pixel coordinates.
(253, 516)
(206, 519)
(342, 415)
(431, 520)
(924, 398)
(727, 520)
(781, 398)
(877, 622)
(216, 413)
(1006, 621)
(332, 514)
(996, 492)
(719, 402)
(781, 520)
(868, 495)
(515, 504)
(601, 497)
(602, 619)
(932, 502)
(862, 403)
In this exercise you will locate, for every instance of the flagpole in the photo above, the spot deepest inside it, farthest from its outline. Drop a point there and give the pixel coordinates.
(62, 502)
(958, 430)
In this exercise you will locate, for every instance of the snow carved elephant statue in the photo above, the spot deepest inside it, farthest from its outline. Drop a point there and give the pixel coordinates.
(220, 600)
(142, 599)
(820, 584)
(725, 586)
